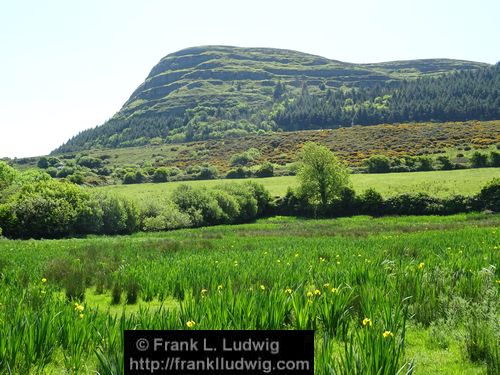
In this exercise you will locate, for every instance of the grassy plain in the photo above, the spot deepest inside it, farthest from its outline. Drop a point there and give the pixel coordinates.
(436, 183)
(277, 273)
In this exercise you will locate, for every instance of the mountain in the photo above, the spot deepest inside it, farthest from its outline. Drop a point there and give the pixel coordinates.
(220, 91)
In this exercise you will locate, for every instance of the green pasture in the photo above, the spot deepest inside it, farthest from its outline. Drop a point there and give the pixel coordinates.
(436, 183)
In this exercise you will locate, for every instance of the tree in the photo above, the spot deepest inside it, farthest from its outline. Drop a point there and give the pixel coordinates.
(321, 175)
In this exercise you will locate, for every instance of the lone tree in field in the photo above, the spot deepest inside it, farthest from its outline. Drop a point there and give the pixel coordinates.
(321, 175)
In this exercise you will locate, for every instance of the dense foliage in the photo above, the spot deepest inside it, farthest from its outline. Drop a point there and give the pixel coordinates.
(459, 96)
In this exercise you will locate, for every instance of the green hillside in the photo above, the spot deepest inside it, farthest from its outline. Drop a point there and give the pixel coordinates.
(219, 92)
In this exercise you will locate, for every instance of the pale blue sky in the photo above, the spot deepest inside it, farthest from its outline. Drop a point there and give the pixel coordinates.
(69, 65)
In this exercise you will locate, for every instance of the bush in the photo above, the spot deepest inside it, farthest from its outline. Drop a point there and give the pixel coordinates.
(163, 215)
(201, 206)
(43, 163)
(265, 170)
(489, 196)
(239, 172)
(48, 209)
(51, 171)
(160, 175)
(378, 164)
(371, 202)
(208, 172)
(246, 201)
(119, 215)
(136, 177)
(425, 163)
(478, 160)
(413, 204)
(445, 163)
(495, 159)
(65, 171)
(89, 162)
(245, 158)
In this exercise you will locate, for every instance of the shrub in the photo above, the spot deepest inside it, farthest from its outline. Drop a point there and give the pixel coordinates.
(208, 172)
(245, 158)
(43, 163)
(160, 175)
(445, 163)
(478, 160)
(425, 163)
(247, 203)
(89, 162)
(378, 164)
(229, 205)
(413, 204)
(48, 209)
(65, 171)
(345, 205)
(494, 159)
(265, 170)
(261, 194)
(51, 171)
(136, 177)
(77, 178)
(198, 204)
(489, 196)
(163, 215)
(371, 202)
(119, 215)
(239, 172)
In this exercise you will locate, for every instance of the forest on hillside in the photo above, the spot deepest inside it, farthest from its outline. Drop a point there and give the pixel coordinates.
(458, 96)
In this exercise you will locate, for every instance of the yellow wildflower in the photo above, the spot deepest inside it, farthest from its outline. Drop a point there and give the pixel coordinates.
(421, 265)
(204, 292)
(387, 334)
(367, 322)
(262, 287)
(288, 290)
(335, 290)
(317, 292)
(219, 287)
(190, 324)
(79, 308)
(309, 294)
(81, 316)
(326, 285)
(44, 280)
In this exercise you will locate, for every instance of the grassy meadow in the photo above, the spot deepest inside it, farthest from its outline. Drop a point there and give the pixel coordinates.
(417, 293)
(435, 183)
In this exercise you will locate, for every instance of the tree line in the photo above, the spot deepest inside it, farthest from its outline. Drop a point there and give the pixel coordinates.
(459, 96)
(33, 205)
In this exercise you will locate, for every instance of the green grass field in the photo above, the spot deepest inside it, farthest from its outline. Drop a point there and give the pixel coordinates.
(430, 281)
(436, 183)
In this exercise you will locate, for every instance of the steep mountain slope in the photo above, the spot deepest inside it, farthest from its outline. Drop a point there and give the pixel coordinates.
(219, 91)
